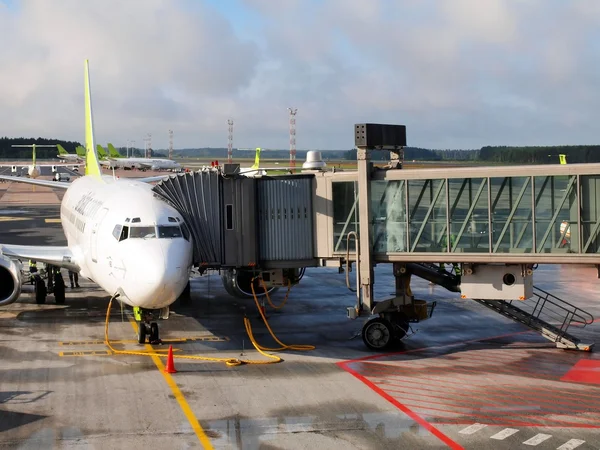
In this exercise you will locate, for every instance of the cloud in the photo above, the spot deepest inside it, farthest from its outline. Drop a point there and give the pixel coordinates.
(459, 74)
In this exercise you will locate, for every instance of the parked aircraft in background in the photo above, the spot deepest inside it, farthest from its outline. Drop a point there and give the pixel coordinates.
(63, 154)
(34, 169)
(119, 235)
(141, 163)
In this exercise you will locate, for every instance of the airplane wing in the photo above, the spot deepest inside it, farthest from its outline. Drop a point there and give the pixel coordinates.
(56, 256)
(46, 183)
(151, 179)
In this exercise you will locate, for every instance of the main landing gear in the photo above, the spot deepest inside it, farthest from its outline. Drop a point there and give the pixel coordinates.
(56, 286)
(147, 327)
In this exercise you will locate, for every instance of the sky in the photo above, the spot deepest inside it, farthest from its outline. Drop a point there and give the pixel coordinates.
(459, 74)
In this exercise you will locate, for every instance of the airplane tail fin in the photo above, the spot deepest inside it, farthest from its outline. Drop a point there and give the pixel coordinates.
(100, 151)
(113, 152)
(92, 167)
(562, 159)
(61, 150)
(80, 151)
(33, 153)
(256, 159)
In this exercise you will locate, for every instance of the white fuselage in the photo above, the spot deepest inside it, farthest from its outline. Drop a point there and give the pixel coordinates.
(149, 262)
(71, 158)
(147, 163)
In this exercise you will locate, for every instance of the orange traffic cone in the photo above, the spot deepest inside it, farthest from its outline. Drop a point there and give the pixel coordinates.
(170, 364)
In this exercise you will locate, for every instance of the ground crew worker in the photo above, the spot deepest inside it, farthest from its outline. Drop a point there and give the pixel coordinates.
(74, 276)
(455, 266)
(32, 270)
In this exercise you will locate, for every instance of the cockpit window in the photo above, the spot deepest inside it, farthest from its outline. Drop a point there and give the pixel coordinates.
(185, 231)
(168, 231)
(136, 220)
(142, 232)
(117, 231)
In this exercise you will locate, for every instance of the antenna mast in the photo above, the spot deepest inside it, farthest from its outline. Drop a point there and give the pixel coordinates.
(230, 141)
(293, 112)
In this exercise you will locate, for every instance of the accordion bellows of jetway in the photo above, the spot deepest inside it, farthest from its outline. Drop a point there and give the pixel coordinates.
(236, 221)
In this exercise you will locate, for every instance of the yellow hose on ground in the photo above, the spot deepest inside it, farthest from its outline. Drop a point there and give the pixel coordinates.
(262, 314)
(287, 294)
(231, 362)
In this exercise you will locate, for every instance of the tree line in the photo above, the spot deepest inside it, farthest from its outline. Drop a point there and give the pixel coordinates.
(7, 151)
(495, 154)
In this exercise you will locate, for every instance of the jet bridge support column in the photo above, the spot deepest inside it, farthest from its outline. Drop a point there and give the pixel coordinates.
(378, 333)
(364, 216)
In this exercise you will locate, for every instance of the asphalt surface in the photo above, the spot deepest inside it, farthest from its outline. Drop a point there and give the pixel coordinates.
(466, 378)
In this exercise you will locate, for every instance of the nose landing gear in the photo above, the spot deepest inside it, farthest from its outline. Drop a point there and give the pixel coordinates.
(146, 326)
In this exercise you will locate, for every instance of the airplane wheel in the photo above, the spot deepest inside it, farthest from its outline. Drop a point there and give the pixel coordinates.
(40, 291)
(59, 289)
(154, 335)
(141, 333)
(378, 334)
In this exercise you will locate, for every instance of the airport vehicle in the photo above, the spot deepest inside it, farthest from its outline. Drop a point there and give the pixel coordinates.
(133, 245)
(34, 170)
(60, 176)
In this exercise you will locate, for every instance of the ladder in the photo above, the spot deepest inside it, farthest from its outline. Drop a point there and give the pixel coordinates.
(546, 314)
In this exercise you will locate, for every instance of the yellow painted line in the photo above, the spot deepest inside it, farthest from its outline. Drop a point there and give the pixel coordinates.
(185, 407)
(104, 352)
(12, 218)
(87, 353)
(52, 220)
(133, 341)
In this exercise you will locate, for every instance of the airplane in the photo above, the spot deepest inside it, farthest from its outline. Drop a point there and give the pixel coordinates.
(63, 154)
(33, 169)
(136, 247)
(142, 163)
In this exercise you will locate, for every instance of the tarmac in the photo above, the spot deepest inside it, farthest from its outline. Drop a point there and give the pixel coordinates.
(466, 378)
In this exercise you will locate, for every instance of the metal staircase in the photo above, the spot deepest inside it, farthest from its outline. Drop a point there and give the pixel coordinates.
(546, 314)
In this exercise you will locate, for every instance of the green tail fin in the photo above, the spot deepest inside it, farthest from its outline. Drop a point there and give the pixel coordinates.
(101, 152)
(113, 152)
(256, 159)
(80, 151)
(92, 167)
(33, 152)
(562, 159)
(61, 150)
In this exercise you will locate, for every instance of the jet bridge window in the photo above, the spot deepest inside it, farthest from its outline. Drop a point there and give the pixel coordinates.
(168, 231)
(142, 232)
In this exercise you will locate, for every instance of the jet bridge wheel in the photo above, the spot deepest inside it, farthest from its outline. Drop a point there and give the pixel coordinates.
(378, 333)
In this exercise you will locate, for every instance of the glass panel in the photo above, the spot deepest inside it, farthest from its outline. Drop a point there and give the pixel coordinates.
(142, 232)
(555, 212)
(590, 214)
(169, 231)
(427, 209)
(388, 212)
(345, 213)
(469, 228)
(512, 231)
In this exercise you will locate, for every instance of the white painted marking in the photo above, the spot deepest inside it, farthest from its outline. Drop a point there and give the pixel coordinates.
(504, 434)
(570, 445)
(473, 428)
(537, 439)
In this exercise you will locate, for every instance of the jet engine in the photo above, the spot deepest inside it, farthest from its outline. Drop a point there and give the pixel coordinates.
(237, 284)
(10, 281)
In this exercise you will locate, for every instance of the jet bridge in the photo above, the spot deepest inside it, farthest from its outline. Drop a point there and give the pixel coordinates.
(491, 225)
(246, 226)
